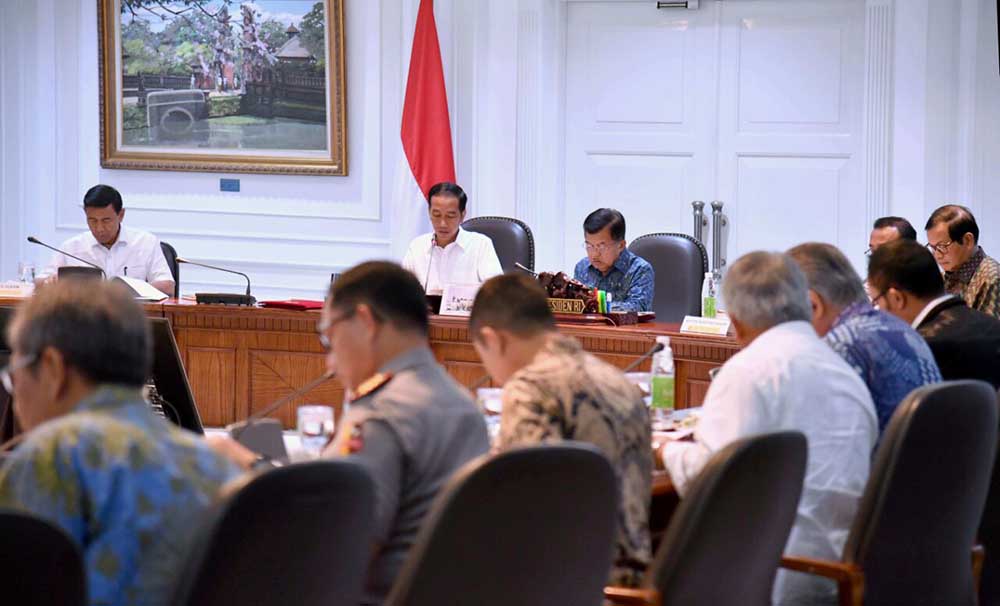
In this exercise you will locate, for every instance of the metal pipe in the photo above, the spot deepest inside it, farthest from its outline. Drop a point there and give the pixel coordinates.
(700, 220)
(718, 222)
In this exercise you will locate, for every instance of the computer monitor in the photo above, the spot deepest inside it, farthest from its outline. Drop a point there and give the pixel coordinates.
(170, 378)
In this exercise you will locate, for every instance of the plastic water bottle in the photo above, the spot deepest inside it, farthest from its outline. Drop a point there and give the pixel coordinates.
(708, 296)
(661, 385)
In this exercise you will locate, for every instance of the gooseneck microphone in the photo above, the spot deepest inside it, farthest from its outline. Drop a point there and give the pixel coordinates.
(236, 429)
(430, 261)
(652, 351)
(523, 268)
(35, 240)
(224, 298)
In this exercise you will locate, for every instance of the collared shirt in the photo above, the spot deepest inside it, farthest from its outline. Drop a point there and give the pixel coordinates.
(125, 484)
(630, 281)
(470, 259)
(566, 393)
(978, 282)
(416, 430)
(928, 309)
(135, 254)
(889, 355)
(788, 379)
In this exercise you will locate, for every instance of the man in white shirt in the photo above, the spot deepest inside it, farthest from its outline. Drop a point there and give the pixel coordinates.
(786, 378)
(449, 254)
(118, 250)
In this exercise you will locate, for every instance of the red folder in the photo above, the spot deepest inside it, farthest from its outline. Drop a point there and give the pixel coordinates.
(296, 304)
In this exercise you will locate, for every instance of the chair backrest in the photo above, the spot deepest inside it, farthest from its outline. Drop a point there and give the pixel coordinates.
(33, 552)
(532, 526)
(679, 264)
(724, 543)
(918, 516)
(512, 239)
(170, 254)
(300, 534)
(989, 536)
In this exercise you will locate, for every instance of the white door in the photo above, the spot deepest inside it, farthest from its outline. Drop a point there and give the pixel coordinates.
(640, 90)
(755, 103)
(790, 103)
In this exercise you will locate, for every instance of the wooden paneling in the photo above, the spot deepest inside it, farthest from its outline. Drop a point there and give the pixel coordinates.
(275, 374)
(212, 373)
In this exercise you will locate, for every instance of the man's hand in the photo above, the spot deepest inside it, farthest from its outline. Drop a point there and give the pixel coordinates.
(232, 450)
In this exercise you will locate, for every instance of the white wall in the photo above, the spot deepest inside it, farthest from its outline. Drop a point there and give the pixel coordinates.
(505, 70)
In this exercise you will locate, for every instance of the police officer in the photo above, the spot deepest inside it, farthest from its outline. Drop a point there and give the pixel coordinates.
(409, 422)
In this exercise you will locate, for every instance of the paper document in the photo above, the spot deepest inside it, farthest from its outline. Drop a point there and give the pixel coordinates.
(144, 291)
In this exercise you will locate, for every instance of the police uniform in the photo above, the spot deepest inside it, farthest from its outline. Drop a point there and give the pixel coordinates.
(412, 426)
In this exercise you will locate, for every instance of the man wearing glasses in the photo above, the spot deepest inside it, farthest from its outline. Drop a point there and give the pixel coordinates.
(96, 460)
(610, 266)
(953, 237)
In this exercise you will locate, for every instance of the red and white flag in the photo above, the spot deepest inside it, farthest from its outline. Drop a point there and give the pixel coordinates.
(425, 132)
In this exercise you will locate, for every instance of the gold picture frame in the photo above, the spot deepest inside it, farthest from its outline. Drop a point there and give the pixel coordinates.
(227, 98)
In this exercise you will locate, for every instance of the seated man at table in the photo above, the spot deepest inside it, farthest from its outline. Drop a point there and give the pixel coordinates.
(554, 391)
(886, 352)
(610, 266)
(953, 237)
(110, 245)
(965, 342)
(124, 483)
(409, 422)
(450, 254)
(786, 378)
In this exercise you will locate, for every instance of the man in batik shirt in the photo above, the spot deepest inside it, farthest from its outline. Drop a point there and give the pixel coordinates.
(555, 391)
(610, 266)
(953, 237)
(125, 484)
(891, 357)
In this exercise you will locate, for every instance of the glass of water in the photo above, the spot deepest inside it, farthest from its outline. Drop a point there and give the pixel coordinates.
(491, 405)
(26, 272)
(315, 425)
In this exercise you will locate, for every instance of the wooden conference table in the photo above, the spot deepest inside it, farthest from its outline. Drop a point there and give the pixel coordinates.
(240, 359)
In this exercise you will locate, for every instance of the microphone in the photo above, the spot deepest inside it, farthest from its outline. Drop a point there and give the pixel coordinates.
(265, 436)
(653, 350)
(430, 262)
(523, 268)
(224, 298)
(483, 380)
(35, 240)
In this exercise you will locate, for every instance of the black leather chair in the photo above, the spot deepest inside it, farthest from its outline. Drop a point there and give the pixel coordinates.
(725, 540)
(533, 527)
(512, 240)
(679, 263)
(300, 534)
(170, 253)
(911, 539)
(989, 537)
(40, 564)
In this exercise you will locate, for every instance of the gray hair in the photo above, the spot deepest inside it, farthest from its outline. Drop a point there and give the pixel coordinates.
(97, 326)
(764, 289)
(829, 273)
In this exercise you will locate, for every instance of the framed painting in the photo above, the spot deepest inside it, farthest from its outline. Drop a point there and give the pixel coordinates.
(223, 86)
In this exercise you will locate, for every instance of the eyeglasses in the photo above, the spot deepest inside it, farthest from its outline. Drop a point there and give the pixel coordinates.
(600, 248)
(880, 296)
(5, 374)
(869, 251)
(940, 248)
(325, 325)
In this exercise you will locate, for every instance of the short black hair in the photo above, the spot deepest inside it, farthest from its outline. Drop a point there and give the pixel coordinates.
(393, 294)
(97, 326)
(959, 220)
(512, 302)
(100, 196)
(905, 265)
(901, 225)
(449, 190)
(604, 217)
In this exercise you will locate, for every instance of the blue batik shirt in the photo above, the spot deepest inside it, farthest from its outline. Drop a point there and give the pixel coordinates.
(891, 357)
(125, 484)
(630, 281)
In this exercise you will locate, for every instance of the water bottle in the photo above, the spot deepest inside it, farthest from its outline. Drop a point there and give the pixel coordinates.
(661, 385)
(708, 296)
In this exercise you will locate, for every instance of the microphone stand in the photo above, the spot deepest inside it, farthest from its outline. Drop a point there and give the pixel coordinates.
(652, 351)
(35, 240)
(223, 298)
(237, 429)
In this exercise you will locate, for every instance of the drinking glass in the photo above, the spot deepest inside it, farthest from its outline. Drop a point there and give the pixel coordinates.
(26, 272)
(491, 405)
(315, 425)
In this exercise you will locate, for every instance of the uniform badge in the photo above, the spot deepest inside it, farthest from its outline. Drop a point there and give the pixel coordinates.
(371, 385)
(355, 441)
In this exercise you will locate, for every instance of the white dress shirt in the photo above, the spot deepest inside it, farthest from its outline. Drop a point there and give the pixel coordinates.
(136, 254)
(788, 379)
(470, 259)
